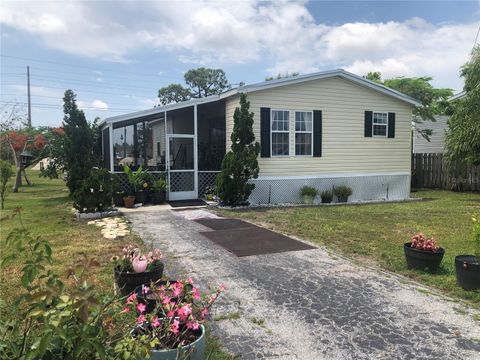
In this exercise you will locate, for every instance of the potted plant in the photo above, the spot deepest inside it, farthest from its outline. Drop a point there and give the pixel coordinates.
(468, 266)
(134, 269)
(342, 193)
(136, 180)
(209, 193)
(422, 253)
(327, 196)
(174, 329)
(308, 193)
(118, 192)
(159, 191)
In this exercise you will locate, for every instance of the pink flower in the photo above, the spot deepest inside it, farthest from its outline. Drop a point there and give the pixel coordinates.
(155, 323)
(125, 310)
(196, 293)
(141, 308)
(184, 311)
(204, 312)
(193, 325)
(166, 300)
(139, 264)
(189, 280)
(141, 319)
(174, 327)
(177, 288)
(131, 298)
(222, 287)
(170, 313)
(145, 289)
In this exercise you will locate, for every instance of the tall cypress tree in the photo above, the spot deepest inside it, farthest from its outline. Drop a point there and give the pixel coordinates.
(79, 139)
(240, 164)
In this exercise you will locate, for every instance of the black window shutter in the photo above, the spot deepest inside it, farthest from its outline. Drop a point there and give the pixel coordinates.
(317, 133)
(391, 125)
(265, 132)
(368, 123)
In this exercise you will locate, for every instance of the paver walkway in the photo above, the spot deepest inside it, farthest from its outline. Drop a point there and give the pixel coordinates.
(312, 305)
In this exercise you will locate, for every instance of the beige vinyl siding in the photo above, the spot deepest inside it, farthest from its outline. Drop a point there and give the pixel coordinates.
(230, 104)
(344, 147)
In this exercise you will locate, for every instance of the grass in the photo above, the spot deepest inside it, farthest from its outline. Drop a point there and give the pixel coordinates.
(375, 233)
(47, 213)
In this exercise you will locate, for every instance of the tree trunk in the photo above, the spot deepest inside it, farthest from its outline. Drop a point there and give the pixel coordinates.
(26, 177)
(18, 178)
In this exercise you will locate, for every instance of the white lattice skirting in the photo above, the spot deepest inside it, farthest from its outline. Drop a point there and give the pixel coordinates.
(364, 187)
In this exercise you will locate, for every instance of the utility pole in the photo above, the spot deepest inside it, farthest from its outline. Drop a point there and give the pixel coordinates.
(29, 99)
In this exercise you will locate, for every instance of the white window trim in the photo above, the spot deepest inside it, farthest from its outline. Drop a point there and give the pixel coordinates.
(302, 132)
(279, 131)
(373, 124)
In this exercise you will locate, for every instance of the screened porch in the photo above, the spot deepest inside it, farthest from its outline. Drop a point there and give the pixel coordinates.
(184, 143)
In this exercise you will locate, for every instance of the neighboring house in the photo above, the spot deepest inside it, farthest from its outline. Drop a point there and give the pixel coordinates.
(437, 139)
(438, 127)
(324, 129)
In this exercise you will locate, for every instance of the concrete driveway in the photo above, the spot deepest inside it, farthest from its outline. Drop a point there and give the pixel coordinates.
(311, 304)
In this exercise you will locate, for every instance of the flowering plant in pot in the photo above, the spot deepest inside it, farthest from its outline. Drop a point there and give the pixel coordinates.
(159, 191)
(467, 267)
(423, 253)
(308, 193)
(135, 268)
(174, 328)
(327, 196)
(342, 193)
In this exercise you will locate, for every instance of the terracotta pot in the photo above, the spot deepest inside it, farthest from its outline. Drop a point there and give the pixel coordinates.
(129, 201)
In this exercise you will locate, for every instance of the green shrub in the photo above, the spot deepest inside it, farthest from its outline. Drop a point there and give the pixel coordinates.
(6, 172)
(342, 191)
(308, 191)
(160, 185)
(240, 164)
(94, 193)
(56, 320)
(326, 194)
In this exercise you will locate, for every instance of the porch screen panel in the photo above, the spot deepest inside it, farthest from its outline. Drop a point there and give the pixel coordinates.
(123, 147)
(180, 121)
(211, 135)
(106, 148)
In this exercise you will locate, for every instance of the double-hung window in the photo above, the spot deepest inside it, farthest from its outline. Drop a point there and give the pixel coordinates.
(380, 124)
(303, 132)
(280, 132)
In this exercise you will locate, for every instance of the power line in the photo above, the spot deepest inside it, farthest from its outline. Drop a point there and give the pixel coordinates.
(75, 65)
(45, 105)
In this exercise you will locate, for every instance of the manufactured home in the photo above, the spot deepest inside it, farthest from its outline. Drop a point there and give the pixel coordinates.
(323, 129)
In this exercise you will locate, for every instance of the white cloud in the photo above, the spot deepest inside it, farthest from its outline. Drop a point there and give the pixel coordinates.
(284, 35)
(93, 105)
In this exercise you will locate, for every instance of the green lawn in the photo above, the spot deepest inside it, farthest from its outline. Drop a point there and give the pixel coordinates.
(47, 213)
(375, 233)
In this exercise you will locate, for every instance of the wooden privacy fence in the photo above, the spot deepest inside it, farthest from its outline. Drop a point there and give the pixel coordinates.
(432, 171)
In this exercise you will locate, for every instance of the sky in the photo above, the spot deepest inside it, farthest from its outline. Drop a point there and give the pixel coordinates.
(116, 55)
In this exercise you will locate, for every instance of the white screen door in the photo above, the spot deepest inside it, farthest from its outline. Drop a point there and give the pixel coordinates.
(181, 167)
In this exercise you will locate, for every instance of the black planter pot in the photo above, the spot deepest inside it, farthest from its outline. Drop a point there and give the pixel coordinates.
(128, 282)
(342, 199)
(159, 197)
(467, 268)
(141, 197)
(326, 200)
(421, 259)
(118, 199)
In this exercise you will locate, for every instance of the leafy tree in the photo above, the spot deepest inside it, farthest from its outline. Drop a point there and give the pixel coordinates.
(282, 76)
(21, 141)
(173, 93)
(201, 82)
(54, 150)
(5, 175)
(375, 76)
(240, 164)
(463, 134)
(434, 100)
(79, 142)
